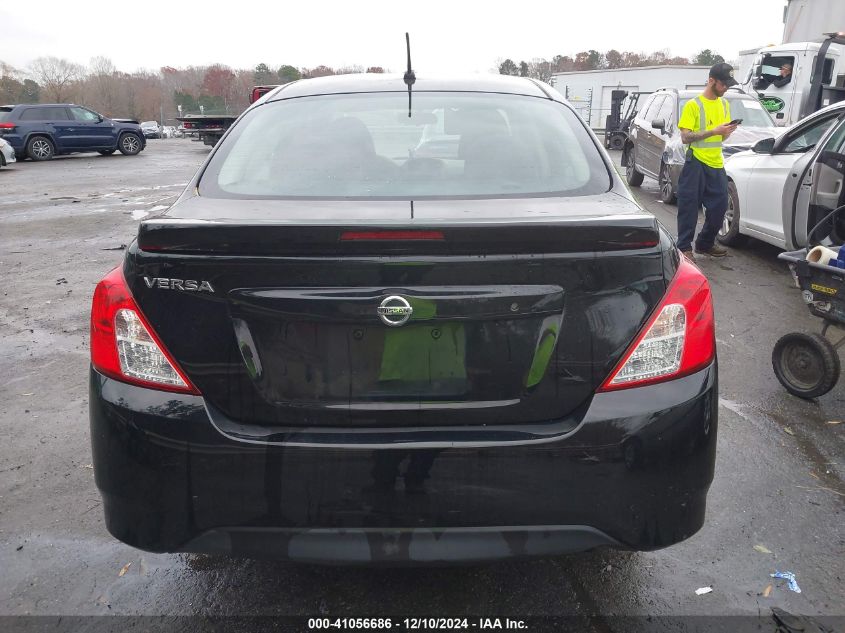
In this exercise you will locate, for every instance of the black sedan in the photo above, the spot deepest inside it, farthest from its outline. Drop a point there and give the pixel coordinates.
(332, 349)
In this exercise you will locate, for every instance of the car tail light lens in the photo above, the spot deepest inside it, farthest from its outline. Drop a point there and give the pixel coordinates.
(124, 346)
(679, 339)
(7, 127)
(187, 126)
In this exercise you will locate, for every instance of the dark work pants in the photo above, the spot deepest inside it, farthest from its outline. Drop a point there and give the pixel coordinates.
(700, 185)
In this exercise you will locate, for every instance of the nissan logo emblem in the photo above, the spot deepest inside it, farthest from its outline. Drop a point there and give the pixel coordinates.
(395, 311)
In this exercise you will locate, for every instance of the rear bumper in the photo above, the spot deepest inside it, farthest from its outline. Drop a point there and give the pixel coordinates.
(633, 473)
(16, 141)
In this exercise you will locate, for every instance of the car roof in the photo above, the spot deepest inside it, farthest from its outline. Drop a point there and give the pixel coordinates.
(39, 105)
(378, 82)
(839, 105)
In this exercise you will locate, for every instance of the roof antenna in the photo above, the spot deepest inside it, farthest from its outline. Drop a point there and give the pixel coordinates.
(410, 77)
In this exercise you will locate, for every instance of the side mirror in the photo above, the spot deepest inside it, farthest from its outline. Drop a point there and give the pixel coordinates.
(658, 124)
(764, 146)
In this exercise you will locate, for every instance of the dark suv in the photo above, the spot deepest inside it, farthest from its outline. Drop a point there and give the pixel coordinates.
(44, 130)
(656, 123)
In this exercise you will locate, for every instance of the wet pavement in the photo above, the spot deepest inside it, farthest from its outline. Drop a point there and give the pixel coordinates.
(778, 482)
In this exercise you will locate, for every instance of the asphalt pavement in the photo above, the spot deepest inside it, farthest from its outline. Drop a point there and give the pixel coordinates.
(776, 502)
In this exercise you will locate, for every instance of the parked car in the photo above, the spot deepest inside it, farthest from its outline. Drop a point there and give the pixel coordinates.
(331, 351)
(151, 129)
(656, 123)
(45, 130)
(7, 154)
(785, 184)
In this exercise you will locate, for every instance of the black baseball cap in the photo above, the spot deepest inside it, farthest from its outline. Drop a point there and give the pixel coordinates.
(724, 73)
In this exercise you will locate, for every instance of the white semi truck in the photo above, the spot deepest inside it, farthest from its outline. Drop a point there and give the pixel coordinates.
(811, 86)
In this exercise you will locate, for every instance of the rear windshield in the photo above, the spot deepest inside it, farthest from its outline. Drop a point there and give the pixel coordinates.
(4, 113)
(750, 111)
(365, 146)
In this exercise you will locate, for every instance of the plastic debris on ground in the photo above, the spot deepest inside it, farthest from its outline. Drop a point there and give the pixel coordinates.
(675, 152)
(703, 590)
(762, 549)
(789, 577)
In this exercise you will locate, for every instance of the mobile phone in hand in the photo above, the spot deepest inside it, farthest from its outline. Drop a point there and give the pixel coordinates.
(735, 122)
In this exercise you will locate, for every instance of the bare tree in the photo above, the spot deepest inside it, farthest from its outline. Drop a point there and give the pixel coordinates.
(56, 76)
(541, 69)
(102, 86)
(354, 69)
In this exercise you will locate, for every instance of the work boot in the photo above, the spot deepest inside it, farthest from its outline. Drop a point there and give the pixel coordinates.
(688, 254)
(714, 251)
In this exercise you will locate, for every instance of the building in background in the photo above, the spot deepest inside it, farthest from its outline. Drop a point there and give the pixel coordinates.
(589, 91)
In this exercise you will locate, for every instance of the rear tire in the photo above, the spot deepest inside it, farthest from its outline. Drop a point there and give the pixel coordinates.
(633, 177)
(40, 148)
(129, 144)
(667, 190)
(805, 364)
(729, 234)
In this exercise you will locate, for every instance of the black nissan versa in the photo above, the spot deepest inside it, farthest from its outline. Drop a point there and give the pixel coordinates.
(341, 345)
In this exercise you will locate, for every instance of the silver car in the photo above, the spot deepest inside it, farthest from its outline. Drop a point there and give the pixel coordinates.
(7, 154)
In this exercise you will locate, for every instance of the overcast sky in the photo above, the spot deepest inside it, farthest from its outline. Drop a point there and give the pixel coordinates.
(446, 36)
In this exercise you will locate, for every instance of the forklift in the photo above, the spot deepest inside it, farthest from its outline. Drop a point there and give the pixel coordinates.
(617, 124)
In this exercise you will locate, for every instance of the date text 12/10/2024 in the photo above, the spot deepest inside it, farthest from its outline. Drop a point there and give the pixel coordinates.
(415, 624)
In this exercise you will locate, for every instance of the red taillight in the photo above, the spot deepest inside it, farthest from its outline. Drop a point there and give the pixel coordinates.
(5, 127)
(257, 93)
(679, 338)
(124, 345)
(187, 126)
(391, 235)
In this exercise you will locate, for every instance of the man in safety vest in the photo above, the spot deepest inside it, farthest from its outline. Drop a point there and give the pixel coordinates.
(704, 124)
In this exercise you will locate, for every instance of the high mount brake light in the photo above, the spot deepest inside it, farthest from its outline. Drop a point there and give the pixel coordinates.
(124, 345)
(679, 338)
(365, 236)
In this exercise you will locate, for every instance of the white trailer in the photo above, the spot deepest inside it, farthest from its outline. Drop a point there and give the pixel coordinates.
(589, 91)
(806, 20)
